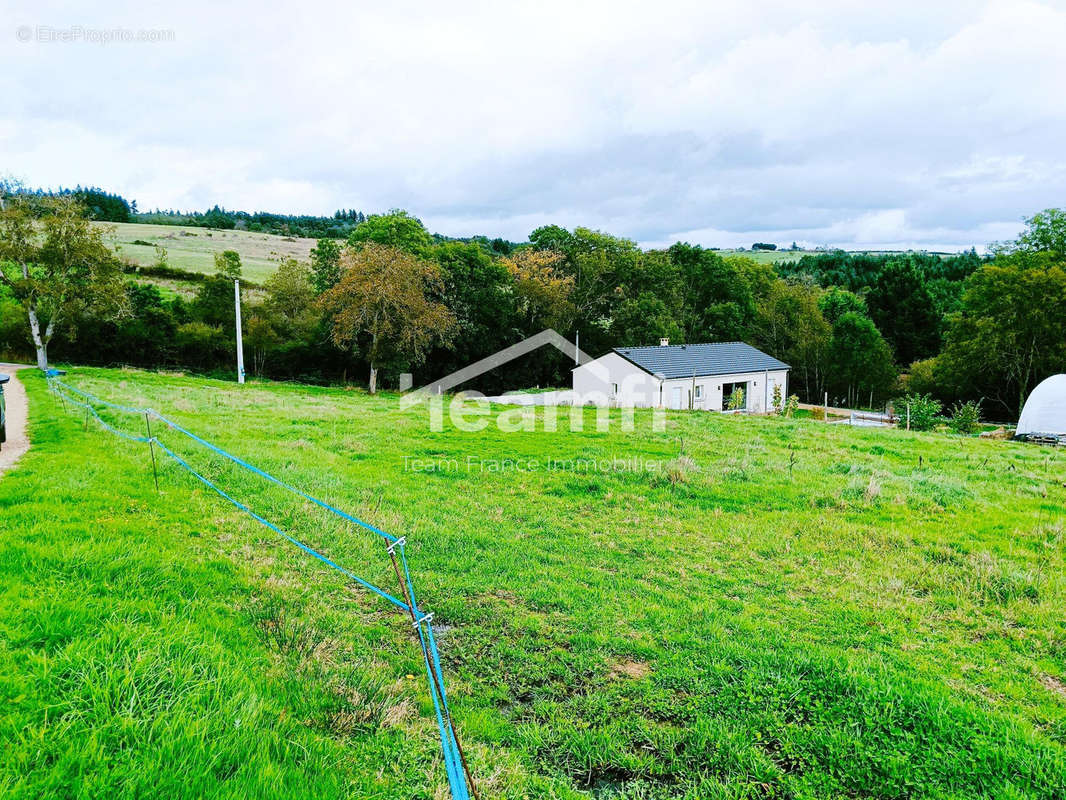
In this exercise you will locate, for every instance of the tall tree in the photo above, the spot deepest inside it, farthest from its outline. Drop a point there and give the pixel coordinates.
(542, 291)
(719, 301)
(598, 263)
(479, 291)
(396, 229)
(836, 302)
(1044, 232)
(57, 268)
(1008, 334)
(213, 304)
(325, 264)
(790, 326)
(904, 311)
(645, 320)
(860, 361)
(290, 299)
(385, 303)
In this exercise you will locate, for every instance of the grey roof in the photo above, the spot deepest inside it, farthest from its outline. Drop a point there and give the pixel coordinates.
(686, 360)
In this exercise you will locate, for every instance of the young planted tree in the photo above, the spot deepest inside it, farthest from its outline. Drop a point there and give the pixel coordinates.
(57, 267)
(384, 302)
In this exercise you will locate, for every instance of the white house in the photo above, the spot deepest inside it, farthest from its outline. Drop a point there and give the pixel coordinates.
(693, 376)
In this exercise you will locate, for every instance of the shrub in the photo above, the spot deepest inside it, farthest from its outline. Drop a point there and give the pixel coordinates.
(776, 401)
(792, 405)
(921, 377)
(966, 417)
(736, 400)
(201, 345)
(922, 413)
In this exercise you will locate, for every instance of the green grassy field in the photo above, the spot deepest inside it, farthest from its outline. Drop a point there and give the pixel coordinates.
(776, 256)
(765, 256)
(786, 609)
(194, 249)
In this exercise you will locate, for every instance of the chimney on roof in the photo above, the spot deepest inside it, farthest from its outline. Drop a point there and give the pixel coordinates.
(664, 342)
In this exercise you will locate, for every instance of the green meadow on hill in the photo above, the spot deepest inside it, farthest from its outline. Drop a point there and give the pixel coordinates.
(734, 607)
(193, 249)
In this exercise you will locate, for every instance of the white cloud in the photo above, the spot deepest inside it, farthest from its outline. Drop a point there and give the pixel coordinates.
(904, 123)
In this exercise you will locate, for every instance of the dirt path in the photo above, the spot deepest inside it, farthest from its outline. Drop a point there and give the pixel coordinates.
(15, 396)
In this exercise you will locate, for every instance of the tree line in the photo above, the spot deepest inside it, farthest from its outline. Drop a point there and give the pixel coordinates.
(218, 218)
(97, 204)
(390, 297)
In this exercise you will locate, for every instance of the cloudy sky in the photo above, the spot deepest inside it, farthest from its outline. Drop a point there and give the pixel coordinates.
(935, 124)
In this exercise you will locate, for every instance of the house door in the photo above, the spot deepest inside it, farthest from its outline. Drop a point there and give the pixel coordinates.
(675, 397)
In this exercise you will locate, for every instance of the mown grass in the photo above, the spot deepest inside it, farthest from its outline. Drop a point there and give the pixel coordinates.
(785, 609)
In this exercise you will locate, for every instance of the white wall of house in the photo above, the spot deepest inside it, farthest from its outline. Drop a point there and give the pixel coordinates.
(709, 393)
(611, 379)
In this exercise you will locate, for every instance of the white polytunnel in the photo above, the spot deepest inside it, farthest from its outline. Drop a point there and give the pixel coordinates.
(1045, 410)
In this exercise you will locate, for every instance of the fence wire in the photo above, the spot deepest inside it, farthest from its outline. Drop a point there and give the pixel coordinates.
(460, 781)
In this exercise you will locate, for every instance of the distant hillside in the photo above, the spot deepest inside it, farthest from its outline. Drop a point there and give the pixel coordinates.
(194, 249)
(337, 226)
(762, 256)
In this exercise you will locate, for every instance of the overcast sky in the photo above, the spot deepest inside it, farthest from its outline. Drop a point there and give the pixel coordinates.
(935, 124)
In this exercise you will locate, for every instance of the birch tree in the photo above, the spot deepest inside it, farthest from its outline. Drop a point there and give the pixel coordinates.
(56, 266)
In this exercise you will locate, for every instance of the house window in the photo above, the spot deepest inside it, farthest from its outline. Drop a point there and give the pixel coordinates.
(614, 388)
(699, 391)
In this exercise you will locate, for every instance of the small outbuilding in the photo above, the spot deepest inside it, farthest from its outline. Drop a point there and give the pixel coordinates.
(683, 376)
(1044, 414)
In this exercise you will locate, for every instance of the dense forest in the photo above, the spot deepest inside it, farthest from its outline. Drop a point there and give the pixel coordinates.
(390, 297)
